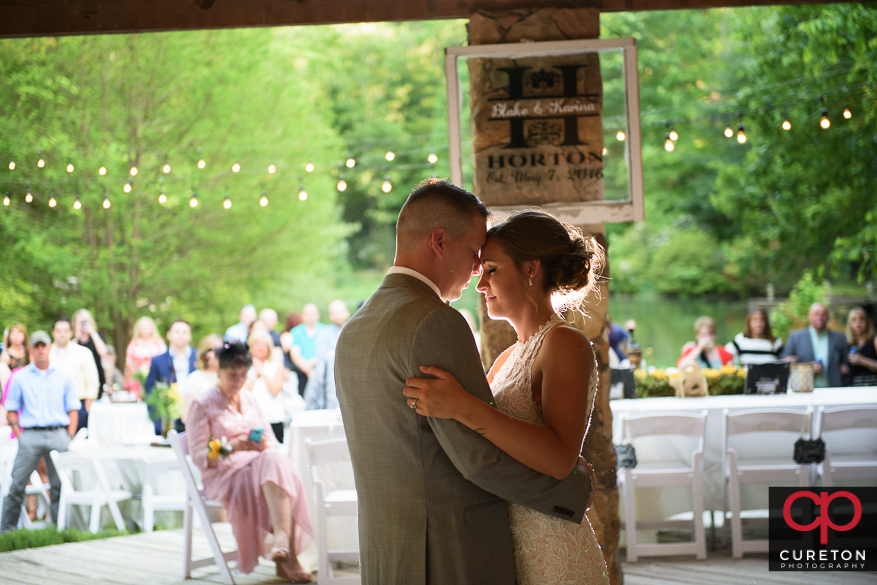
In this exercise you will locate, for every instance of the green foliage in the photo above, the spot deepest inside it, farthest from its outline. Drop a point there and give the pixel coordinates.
(25, 538)
(792, 314)
(648, 386)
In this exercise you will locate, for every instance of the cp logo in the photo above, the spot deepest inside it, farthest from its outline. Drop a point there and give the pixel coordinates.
(823, 522)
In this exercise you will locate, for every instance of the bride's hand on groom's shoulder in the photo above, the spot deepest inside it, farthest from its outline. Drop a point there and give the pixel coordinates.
(437, 397)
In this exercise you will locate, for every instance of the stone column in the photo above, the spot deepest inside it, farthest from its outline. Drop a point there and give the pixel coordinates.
(509, 101)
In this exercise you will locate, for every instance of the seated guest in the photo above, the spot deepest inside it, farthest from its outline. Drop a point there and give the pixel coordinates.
(265, 380)
(704, 352)
(255, 483)
(174, 365)
(826, 350)
(756, 345)
(205, 376)
(863, 348)
(49, 409)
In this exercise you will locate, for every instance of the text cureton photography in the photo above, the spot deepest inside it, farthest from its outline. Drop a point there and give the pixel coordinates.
(823, 529)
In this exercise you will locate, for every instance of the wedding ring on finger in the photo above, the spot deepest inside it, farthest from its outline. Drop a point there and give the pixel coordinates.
(414, 404)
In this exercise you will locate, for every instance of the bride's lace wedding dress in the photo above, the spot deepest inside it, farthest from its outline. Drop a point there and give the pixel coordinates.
(547, 550)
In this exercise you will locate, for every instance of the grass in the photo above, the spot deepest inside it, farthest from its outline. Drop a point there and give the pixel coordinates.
(25, 538)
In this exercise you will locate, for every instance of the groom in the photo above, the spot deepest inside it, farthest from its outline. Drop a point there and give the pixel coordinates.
(432, 493)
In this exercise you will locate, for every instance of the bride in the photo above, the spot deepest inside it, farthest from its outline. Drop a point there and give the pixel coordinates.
(543, 385)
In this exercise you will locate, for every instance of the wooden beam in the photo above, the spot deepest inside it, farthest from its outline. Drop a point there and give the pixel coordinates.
(26, 18)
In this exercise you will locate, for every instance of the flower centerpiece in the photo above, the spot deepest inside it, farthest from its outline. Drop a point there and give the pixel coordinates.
(725, 380)
(654, 383)
(164, 403)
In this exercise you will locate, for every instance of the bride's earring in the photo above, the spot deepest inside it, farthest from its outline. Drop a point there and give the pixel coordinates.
(531, 280)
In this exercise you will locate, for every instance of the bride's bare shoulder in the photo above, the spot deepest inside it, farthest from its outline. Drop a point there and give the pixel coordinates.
(497, 364)
(565, 342)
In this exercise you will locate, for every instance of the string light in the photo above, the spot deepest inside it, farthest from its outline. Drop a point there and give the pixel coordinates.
(673, 135)
(263, 200)
(786, 124)
(227, 203)
(387, 186)
(741, 135)
(52, 202)
(235, 167)
(166, 168)
(128, 186)
(342, 184)
(28, 197)
(668, 144)
(825, 123)
(309, 167)
(432, 158)
(6, 199)
(272, 168)
(77, 203)
(40, 163)
(604, 151)
(193, 202)
(102, 170)
(390, 154)
(302, 194)
(620, 136)
(69, 166)
(201, 163)
(133, 170)
(729, 132)
(162, 198)
(106, 201)
(351, 162)
(847, 113)
(11, 165)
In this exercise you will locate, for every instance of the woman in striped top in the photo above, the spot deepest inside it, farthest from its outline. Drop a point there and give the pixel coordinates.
(756, 345)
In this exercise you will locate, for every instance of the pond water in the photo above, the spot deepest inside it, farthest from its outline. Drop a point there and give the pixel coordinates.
(664, 325)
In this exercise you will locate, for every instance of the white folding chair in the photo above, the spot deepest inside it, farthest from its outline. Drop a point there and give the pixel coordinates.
(152, 502)
(328, 504)
(196, 501)
(662, 474)
(835, 424)
(756, 466)
(95, 490)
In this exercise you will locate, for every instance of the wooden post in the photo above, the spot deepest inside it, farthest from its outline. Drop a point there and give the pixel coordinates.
(504, 129)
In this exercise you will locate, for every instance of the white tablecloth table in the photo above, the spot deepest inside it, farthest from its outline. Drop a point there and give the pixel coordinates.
(119, 422)
(662, 503)
(125, 468)
(319, 425)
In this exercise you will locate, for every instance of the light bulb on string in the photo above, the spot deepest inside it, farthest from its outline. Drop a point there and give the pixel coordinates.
(351, 162)
(162, 198)
(668, 144)
(387, 186)
(235, 168)
(128, 186)
(825, 123)
(432, 158)
(133, 170)
(729, 132)
(786, 124)
(673, 135)
(6, 199)
(620, 136)
(605, 151)
(309, 167)
(11, 165)
(77, 204)
(302, 194)
(28, 197)
(227, 202)
(166, 168)
(52, 202)
(390, 154)
(41, 162)
(193, 202)
(741, 135)
(263, 200)
(201, 163)
(342, 184)
(106, 202)
(102, 170)
(272, 168)
(69, 166)
(847, 113)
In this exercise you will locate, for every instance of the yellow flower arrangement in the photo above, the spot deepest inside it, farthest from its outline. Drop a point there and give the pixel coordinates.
(217, 448)
(640, 374)
(711, 373)
(729, 369)
(659, 374)
(741, 372)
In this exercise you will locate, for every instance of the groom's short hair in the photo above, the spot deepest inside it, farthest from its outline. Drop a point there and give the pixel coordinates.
(437, 203)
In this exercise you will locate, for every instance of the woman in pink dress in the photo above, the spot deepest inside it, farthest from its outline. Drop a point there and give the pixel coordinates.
(255, 483)
(145, 345)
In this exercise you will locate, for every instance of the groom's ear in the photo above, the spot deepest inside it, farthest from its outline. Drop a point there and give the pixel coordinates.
(438, 240)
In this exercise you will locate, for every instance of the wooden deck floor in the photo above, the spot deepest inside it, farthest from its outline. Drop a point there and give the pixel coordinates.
(156, 559)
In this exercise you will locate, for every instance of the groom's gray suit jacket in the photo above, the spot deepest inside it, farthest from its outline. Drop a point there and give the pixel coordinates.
(432, 493)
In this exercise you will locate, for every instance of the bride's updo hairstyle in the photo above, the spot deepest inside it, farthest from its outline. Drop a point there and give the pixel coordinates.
(570, 261)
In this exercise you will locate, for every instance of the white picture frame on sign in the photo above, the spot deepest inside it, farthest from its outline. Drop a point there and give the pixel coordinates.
(574, 212)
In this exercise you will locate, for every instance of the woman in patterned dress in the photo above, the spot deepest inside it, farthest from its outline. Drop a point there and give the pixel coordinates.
(544, 385)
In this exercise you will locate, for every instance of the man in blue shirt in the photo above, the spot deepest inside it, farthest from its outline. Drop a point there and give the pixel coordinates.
(241, 331)
(49, 409)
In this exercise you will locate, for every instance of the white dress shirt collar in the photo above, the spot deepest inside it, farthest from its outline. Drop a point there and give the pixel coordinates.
(417, 275)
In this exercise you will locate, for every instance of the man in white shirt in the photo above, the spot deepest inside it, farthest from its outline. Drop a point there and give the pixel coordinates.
(77, 362)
